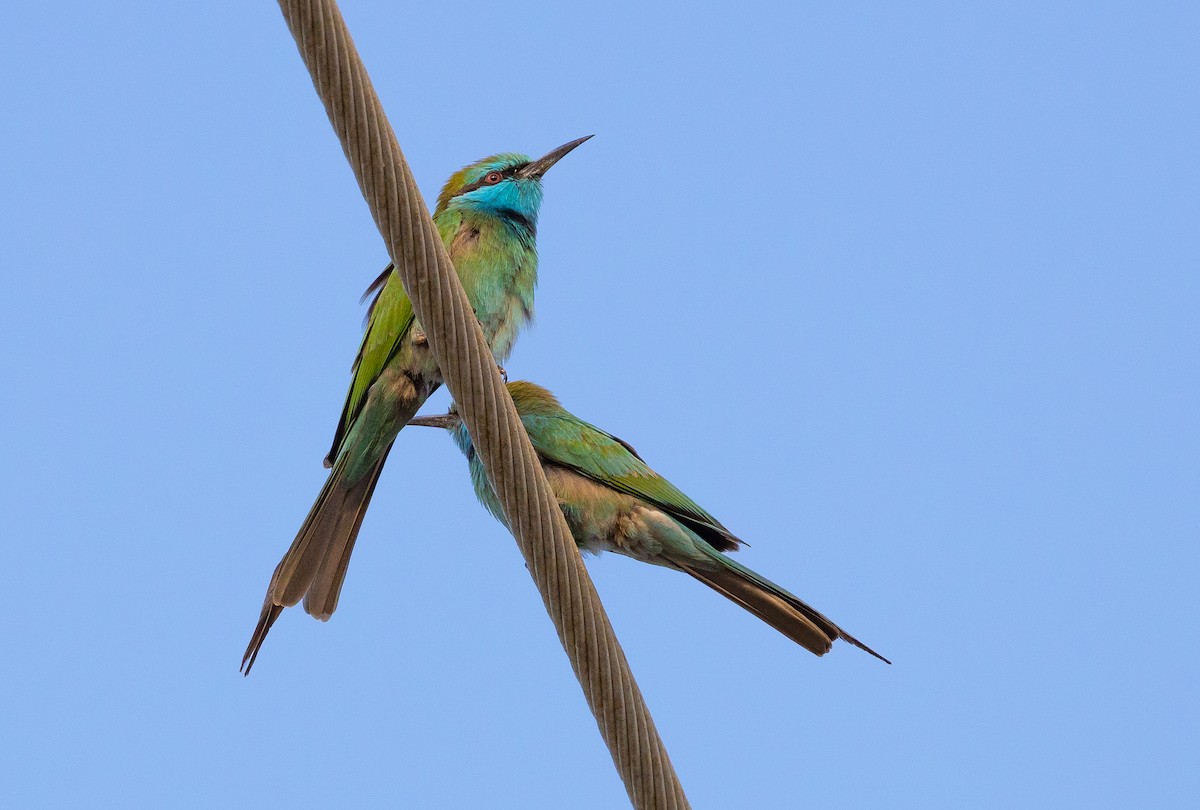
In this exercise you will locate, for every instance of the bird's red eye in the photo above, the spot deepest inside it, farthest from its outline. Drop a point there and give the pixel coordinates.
(493, 178)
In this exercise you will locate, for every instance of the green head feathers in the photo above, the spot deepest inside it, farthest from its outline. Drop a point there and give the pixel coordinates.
(506, 185)
(475, 176)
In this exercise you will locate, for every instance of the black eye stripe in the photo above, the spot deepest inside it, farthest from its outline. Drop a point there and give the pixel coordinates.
(481, 182)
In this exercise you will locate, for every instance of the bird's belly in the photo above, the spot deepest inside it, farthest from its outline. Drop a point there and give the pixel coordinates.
(501, 327)
(602, 519)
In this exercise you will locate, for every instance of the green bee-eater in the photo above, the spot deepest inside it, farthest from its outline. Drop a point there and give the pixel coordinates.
(614, 502)
(487, 217)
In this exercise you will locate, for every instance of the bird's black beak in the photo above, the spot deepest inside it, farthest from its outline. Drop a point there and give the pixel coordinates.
(444, 421)
(542, 165)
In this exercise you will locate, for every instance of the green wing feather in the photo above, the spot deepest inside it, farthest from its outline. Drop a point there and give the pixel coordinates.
(388, 321)
(565, 440)
(389, 318)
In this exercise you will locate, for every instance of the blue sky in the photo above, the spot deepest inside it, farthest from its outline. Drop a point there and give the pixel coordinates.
(906, 296)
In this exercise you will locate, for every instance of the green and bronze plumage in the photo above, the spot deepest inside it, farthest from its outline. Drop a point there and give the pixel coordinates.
(486, 216)
(613, 501)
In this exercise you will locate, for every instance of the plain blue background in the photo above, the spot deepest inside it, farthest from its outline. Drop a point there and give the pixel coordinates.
(906, 296)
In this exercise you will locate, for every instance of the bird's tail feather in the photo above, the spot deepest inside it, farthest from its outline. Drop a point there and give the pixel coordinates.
(775, 606)
(322, 597)
(314, 567)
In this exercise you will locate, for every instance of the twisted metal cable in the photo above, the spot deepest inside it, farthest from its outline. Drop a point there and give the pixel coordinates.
(470, 373)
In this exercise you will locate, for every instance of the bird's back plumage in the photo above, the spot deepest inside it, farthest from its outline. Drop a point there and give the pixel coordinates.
(564, 439)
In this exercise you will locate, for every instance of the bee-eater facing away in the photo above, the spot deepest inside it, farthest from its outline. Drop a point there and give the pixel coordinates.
(614, 502)
(487, 217)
